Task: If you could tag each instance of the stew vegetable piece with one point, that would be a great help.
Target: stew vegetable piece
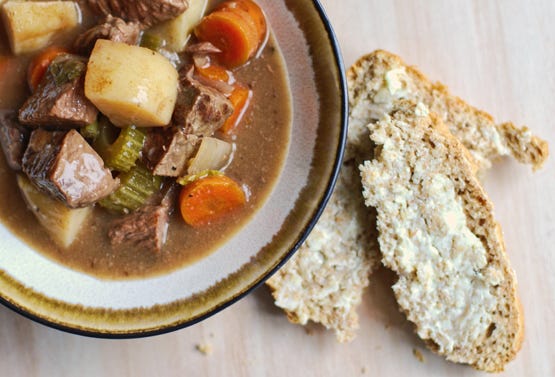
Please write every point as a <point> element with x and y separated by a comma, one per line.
<point>39,65</point>
<point>209,198</point>
<point>137,137</point>
<point>237,28</point>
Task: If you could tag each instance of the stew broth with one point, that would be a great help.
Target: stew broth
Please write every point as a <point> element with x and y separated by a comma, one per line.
<point>261,143</point>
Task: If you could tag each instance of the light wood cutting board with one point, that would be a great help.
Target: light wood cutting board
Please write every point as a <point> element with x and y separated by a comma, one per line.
<point>497,54</point>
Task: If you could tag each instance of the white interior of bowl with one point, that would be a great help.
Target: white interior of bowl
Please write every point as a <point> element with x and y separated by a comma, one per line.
<point>55,281</point>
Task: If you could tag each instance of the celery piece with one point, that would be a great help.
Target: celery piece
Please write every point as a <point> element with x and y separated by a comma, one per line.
<point>90,131</point>
<point>107,134</point>
<point>136,186</point>
<point>152,41</point>
<point>125,151</point>
<point>65,69</point>
<point>122,151</point>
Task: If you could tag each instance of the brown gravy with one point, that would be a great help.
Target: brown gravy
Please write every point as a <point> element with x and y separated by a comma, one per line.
<point>261,144</point>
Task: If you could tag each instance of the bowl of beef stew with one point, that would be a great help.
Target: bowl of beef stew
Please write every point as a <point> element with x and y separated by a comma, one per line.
<point>160,158</point>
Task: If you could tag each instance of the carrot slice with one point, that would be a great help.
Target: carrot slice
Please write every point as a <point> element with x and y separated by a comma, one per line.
<point>39,65</point>
<point>254,12</point>
<point>240,98</point>
<point>209,199</point>
<point>236,37</point>
<point>214,72</point>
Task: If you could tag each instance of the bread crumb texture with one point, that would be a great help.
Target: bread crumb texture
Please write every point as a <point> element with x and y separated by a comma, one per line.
<point>378,81</point>
<point>418,355</point>
<point>437,232</point>
<point>204,348</point>
<point>324,281</point>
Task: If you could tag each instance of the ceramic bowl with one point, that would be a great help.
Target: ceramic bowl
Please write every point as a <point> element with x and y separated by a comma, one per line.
<point>55,295</point>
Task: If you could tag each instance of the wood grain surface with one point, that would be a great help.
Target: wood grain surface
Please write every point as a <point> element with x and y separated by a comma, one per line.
<point>497,54</point>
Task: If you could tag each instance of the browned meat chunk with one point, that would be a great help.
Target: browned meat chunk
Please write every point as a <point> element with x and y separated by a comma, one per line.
<point>200,110</point>
<point>145,229</point>
<point>64,165</point>
<point>59,101</point>
<point>167,151</point>
<point>13,138</point>
<point>146,12</point>
<point>114,29</point>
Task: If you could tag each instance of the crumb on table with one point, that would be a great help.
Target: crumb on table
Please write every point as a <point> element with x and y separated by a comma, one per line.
<point>416,352</point>
<point>204,348</point>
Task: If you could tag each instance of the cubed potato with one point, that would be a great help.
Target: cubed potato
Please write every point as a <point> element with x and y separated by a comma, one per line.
<point>31,25</point>
<point>131,85</point>
<point>176,32</point>
<point>63,224</point>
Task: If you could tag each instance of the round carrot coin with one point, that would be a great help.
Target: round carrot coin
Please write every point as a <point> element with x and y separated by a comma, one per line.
<point>209,199</point>
<point>235,29</point>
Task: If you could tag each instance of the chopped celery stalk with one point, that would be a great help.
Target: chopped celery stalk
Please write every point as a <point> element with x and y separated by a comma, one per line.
<point>107,134</point>
<point>213,154</point>
<point>125,151</point>
<point>91,131</point>
<point>136,186</point>
<point>184,181</point>
<point>119,153</point>
<point>65,70</point>
<point>152,41</point>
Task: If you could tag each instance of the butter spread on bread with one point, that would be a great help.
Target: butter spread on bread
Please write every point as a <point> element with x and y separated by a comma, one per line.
<point>324,281</point>
<point>437,232</point>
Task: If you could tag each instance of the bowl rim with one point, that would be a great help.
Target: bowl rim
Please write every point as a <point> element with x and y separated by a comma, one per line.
<point>341,76</point>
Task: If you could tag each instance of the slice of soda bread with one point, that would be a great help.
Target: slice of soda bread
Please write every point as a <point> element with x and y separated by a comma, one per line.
<point>324,281</point>
<point>379,80</point>
<point>437,232</point>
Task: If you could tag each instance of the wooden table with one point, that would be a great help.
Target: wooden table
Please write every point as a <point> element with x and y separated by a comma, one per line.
<point>499,54</point>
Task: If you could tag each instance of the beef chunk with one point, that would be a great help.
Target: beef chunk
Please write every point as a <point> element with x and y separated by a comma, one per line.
<point>14,138</point>
<point>59,101</point>
<point>64,165</point>
<point>145,229</point>
<point>167,151</point>
<point>146,12</point>
<point>114,29</point>
<point>200,110</point>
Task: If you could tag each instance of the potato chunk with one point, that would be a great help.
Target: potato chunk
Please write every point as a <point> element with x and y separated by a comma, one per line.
<point>63,224</point>
<point>31,25</point>
<point>131,85</point>
<point>176,32</point>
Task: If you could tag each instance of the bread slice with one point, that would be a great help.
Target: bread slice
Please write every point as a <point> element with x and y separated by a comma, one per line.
<point>379,80</point>
<point>324,281</point>
<point>438,233</point>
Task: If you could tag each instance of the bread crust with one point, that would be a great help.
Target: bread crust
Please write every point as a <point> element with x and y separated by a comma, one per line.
<point>324,281</point>
<point>412,148</point>
<point>485,140</point>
